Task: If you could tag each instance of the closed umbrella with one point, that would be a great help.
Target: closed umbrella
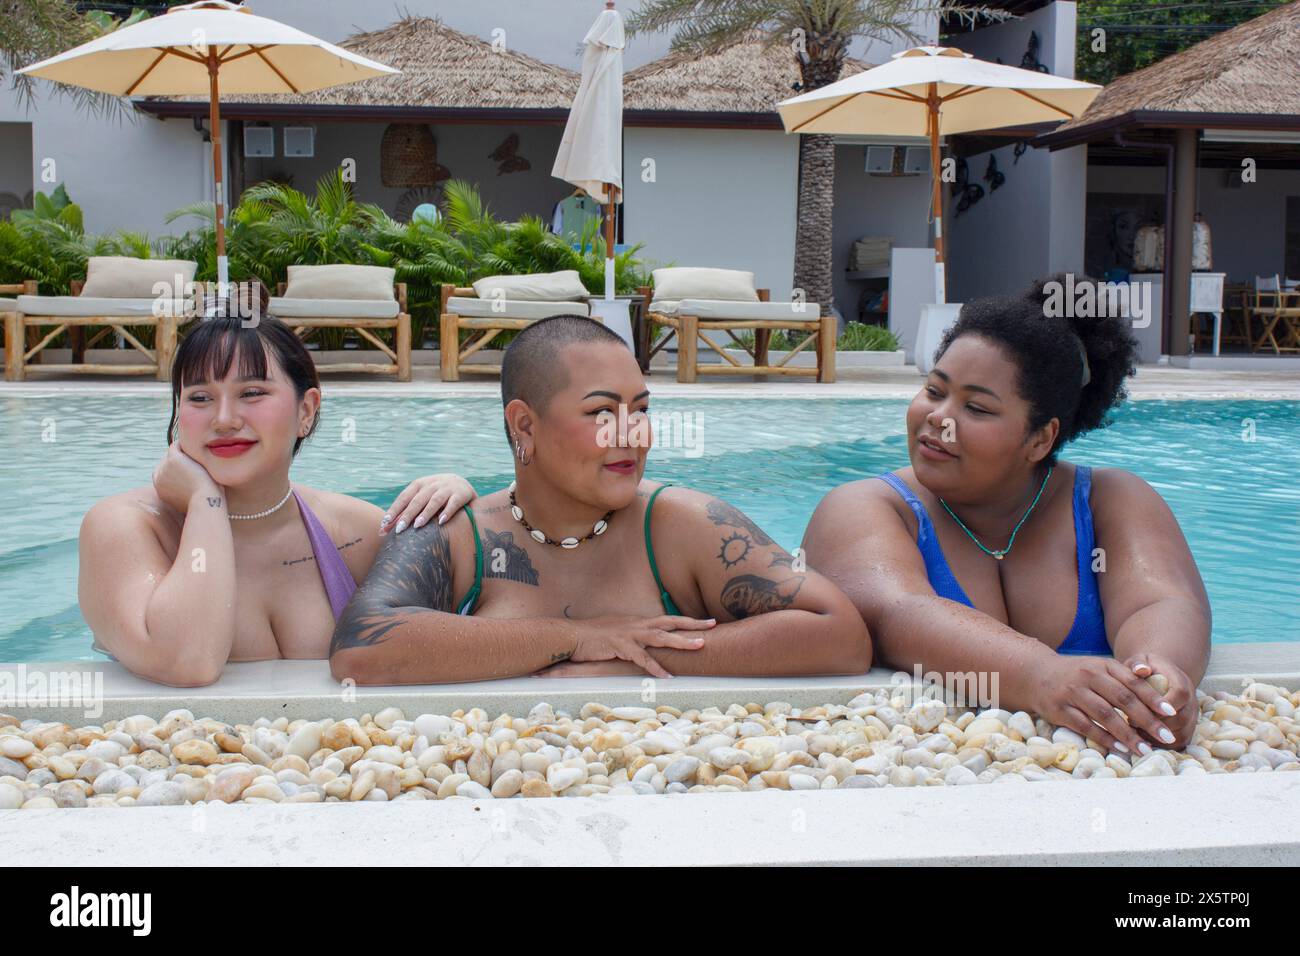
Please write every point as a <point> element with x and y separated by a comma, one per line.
<point>936,91</point>
<point>591,150</point>
<point>190,48</point>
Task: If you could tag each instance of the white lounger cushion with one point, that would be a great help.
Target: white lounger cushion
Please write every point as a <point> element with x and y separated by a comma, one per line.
<point>286,308</point>
<point>125,277</point>
<point>722,309</point>
<point>7,305</point>
<point>686,282</point>
<point>81,305</point>
<point>340,282</point>
<point>563,286</point>
<point>513,309</point>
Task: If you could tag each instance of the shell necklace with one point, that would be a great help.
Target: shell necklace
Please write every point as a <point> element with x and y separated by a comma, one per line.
<point>262,514</point>
<point>1003,552</point>
<point>541,537</point>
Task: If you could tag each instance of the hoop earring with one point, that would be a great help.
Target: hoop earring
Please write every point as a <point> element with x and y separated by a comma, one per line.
<point>519,453</point>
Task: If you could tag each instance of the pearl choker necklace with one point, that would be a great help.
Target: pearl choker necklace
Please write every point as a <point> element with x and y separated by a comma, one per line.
<point>542,538</point>
<point>262,514</point>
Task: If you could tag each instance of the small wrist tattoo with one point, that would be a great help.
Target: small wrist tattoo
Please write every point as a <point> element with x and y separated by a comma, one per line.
<point>214,502</point>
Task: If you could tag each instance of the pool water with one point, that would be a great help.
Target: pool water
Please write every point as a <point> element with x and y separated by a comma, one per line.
<point>1238,500</point>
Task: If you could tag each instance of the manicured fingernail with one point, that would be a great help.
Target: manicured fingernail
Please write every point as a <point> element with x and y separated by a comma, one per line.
<point>419,522</point>
<point>1167,708</point>
<point>442,518</point>
<point>1120,747</point>
<point>401,526</point>
<point>386,519</point>
<point>1144,748</point>
<point>1166,736</point>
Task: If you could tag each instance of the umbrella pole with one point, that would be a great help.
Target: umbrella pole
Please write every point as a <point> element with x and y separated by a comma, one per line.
<point>936,194</point>
<point>214,120</point>
<point>609,242</point>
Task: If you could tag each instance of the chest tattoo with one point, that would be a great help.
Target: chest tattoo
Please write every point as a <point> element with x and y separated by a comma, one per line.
<point>312,557</point>
<point>507,560</point>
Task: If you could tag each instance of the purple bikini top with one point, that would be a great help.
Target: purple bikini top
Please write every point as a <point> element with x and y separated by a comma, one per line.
<point>334,572</point>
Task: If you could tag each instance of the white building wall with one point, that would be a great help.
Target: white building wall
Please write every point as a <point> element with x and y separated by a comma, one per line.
<point>1033,225</point>
<point>721,198</point>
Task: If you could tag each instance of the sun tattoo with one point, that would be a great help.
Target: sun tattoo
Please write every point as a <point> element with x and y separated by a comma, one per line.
<point>735,548</point>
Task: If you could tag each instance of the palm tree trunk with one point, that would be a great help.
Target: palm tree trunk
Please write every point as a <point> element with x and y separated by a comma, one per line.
<point>812,243</point>
<point>813,249</point>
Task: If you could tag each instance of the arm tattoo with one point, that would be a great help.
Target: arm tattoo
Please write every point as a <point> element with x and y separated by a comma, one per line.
<point>735,548</point>
<point>507,560</point>
<point>721,513</point>
<point>748,594</point>
<point>412,573</point>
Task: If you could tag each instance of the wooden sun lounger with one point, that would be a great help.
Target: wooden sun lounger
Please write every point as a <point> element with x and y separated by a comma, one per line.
<point>690,330</point>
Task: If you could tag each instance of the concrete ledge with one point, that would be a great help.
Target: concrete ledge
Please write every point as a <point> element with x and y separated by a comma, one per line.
<point>1212,820</point>
<point>305,689</point>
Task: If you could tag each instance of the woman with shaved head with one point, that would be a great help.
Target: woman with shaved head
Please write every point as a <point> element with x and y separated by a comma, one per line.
<point>582,567</point>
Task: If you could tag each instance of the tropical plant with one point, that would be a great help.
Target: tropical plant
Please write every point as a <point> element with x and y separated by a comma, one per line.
<point>1117,37</point>
<point>32,30</point>
<point>856,337</point>
<point>818,34</point>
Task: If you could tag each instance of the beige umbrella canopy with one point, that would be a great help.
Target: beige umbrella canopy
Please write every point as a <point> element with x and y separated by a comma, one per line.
<point>190,48</point>
<point>591,149</point>
<point>935,91</point>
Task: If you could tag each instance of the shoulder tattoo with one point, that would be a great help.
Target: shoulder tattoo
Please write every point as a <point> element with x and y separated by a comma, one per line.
<point>413,572</point>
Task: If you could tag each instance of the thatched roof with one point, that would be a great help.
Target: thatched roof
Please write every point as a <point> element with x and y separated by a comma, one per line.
<point>444,68</point>
<point>1254,68</point>
<point>749,77</point>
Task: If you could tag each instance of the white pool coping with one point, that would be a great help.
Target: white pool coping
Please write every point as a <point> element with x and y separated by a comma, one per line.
<point>1152,382</point>
<point>305,689</point>
<point>1211,820</point>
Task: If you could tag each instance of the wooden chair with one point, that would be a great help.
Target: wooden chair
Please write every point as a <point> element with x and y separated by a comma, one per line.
<point>461,310</point>
<point>33,312</point>
<point>296,313</point>
<point>690,330</point>
<point>1279,312</point>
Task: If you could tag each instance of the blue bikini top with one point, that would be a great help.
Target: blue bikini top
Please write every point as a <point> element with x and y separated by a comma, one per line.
<point>1088,633</point>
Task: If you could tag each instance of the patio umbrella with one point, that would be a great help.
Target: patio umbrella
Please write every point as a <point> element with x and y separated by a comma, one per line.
<point>591,150</point>
<point>187,49</point>
<point>936,91</point>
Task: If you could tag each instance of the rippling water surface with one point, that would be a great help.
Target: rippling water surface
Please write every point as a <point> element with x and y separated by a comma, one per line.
<point>1238,501</point>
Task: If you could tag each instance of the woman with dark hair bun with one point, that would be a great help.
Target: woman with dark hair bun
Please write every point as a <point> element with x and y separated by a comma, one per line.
<point>223,558</point>
<point>989,554</point>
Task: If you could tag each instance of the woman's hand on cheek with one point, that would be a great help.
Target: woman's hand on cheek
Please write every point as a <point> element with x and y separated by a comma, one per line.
<point>178,477</point>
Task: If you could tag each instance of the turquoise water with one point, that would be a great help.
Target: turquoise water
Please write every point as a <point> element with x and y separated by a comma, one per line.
<point>1238,501</point>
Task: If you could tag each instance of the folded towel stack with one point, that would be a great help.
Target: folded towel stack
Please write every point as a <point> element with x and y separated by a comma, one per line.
<point>870,253</point>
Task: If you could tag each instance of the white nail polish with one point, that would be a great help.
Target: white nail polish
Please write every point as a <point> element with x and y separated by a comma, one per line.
<point>1119,745</point>
<point>1166,736</point>
<point>1144,748</point>
<point>401,526</point>
<point>419,522</point>
<point>1167,708</point>
<point>442,518</point>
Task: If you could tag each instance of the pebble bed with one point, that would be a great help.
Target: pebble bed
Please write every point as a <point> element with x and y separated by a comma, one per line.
<point>876,740</point>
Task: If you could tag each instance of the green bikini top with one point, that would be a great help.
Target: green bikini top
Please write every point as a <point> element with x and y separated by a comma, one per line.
<point>470,601</point>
